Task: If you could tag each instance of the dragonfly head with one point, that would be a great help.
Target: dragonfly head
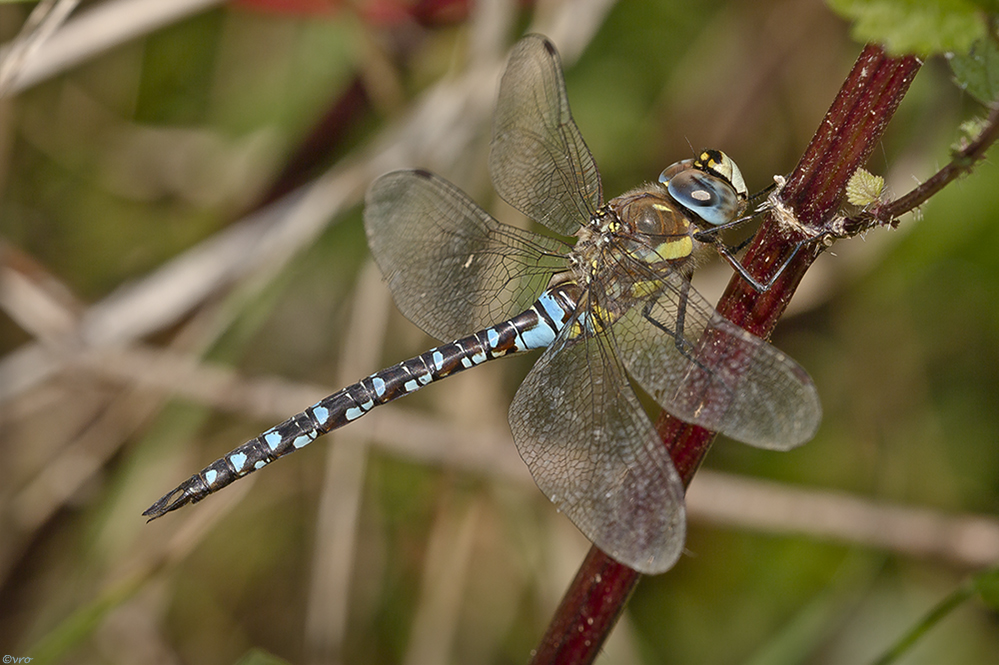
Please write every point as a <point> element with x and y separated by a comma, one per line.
<point>710,186</point>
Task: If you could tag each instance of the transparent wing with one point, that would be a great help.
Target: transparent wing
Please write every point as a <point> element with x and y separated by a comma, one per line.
<point>539,162</point>
<point>452,268</point>
<point>592,450</point>
<point>719,376</point>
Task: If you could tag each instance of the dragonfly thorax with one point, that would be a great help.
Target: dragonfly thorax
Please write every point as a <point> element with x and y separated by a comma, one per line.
<point>642,227</point>
<point>656,225</point>
<point>654,229</point>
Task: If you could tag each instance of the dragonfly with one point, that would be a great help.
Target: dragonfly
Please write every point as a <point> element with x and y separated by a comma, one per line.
<point>605,293</point>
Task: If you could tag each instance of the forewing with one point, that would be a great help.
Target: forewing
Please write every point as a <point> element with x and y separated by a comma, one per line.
<point>719,376</point>
<point>594,453</point>
<point>452,268</point>
<point>539,162</point>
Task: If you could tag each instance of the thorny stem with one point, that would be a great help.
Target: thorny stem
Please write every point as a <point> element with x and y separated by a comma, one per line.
<point>806,206</point>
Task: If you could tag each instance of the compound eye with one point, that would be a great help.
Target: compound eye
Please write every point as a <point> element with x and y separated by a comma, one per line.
<point>673,169</point>
<point>709,197</point>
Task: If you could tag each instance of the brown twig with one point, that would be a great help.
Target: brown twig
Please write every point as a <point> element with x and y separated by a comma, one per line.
<point>887,214</point>
<point>805,210</point>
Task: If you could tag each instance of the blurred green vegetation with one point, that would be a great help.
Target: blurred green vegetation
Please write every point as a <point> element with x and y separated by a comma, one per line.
<point>137,155</point>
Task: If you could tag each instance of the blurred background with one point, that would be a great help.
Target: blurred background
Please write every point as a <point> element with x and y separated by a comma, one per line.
<point>184,264</point>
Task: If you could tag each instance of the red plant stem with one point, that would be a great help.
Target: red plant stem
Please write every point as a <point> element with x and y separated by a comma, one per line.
<point>848,134</point>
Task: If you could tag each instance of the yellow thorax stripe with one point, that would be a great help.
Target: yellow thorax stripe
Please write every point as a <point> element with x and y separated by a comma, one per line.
<point>674,248</point>
<point>597,321</point>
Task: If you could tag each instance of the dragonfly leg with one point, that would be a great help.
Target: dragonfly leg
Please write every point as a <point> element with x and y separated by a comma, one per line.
<point>705,377</point>
<point>683,345</point>
<point>728,253</point>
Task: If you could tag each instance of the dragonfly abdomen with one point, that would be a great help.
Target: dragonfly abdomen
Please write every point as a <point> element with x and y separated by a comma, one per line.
<point>532,329</point>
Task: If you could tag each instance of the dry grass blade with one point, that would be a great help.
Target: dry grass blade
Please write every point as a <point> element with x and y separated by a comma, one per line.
<point>90,33</point>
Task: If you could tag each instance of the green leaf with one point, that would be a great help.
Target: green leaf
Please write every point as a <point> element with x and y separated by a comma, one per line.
<point>987,586</point>
<point>864,188</point>
<point>978,72</point>
<point>922,27</point>
<point>969,130</point>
